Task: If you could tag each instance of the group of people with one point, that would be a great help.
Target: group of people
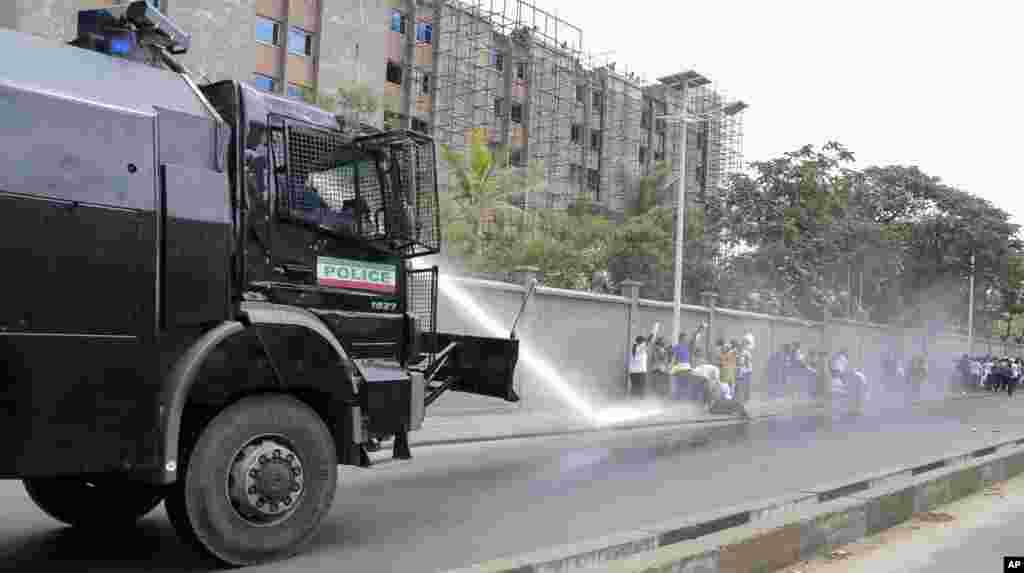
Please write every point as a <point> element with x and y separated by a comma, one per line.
<point>991,373</point>
<point>683,371</point>
<point>791,369</point>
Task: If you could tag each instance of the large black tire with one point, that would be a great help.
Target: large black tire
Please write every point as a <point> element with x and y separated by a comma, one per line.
<point>225,520</point>
<point>85,502</point>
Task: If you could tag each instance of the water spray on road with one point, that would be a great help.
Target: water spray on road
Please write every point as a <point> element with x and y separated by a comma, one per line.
<point>544,371</point>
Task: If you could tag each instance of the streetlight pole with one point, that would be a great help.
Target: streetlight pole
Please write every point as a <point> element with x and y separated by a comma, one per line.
<point>970,312</point>
<point>677,290</point>
<point>683,81</point>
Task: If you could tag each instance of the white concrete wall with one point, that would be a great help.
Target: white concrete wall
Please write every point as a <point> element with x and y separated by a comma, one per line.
<point>584,336</point>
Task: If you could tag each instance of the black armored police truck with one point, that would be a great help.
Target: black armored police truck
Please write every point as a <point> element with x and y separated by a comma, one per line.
<point>209,295</point>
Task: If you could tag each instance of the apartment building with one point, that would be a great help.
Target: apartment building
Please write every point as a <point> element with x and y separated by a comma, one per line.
<point>504,71</point>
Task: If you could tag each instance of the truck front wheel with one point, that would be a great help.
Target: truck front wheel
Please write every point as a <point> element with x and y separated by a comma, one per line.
<point>257,483</point>
<point>83,502</point>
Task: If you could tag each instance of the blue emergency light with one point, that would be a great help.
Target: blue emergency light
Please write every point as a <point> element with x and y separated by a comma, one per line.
<point>117,30</point>
<point>120,43</point>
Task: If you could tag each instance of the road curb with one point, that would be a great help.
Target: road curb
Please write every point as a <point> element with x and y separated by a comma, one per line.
<point>771,534</point>
<point>721,420</point>
<point>716,420</point>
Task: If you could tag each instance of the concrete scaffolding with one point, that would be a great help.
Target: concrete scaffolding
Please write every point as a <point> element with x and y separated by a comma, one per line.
<point>514,76</point>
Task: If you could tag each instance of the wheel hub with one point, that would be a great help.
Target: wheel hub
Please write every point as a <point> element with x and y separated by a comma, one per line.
<point>265,481</point>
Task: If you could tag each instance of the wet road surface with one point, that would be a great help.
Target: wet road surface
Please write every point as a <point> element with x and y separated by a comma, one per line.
<point>452,506</point>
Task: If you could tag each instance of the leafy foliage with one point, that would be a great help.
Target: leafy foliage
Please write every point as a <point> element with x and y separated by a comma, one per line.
<point>807,231</point>
<point>816,222</point>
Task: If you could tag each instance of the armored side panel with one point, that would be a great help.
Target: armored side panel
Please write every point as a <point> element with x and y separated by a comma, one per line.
<point>480,365</point>
<point>83,239</point>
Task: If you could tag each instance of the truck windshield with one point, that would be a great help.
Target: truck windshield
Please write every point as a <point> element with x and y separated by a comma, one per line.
<point>329,197</point>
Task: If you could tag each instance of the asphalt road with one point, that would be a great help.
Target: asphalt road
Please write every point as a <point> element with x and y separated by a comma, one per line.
<point>455,505</point>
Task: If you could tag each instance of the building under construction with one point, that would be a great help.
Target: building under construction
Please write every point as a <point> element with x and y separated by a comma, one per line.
<point>517,77</point>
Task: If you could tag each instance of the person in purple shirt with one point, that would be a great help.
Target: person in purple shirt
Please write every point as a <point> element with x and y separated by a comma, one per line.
<point>680,367</point>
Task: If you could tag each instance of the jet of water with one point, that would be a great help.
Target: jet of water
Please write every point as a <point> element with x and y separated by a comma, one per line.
<point>544,371</point>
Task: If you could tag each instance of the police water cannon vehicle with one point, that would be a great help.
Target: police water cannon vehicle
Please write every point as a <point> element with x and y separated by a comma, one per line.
<point>209,297</point>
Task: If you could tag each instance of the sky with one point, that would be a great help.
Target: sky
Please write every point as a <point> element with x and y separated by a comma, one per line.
<point>935,84</point>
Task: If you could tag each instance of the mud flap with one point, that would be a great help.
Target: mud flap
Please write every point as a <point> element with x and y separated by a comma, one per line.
<point>475,365</point>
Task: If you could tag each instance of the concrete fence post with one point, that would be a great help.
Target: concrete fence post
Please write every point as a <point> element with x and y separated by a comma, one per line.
<point>630,290</point>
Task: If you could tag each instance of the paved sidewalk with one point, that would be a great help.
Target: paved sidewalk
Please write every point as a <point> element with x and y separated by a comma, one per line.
<point>520,423</point>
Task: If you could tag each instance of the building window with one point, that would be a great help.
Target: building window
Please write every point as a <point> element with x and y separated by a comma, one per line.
<point>595,140</point>
<point>268,31</point>
<point>642,156</point>
<point>581,92</point>
<point>517,112</point>
<point>498,59</point>
<point>264,83</point>
<point>659,126</point>
<point>298,92</point>
<point>516,157</point>
<point>594,182</point>
<point>575,173</point>
<point>424,32</point>
<point>300,42</point>
<point>497,106</point>
<point>645,119</point>
<point>521,71</point>
<point>397,22</point>
<point>425,84</point>
<point>420,126</point>
<point>597,101</point>
<point>576,133</point>
<point>394,73</point>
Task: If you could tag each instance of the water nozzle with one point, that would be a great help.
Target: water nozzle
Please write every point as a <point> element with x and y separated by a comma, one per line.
<point>531,286</point>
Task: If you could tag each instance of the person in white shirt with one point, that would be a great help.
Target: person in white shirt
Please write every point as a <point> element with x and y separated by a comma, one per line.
<point>638,363</point>
<point>839,364</point>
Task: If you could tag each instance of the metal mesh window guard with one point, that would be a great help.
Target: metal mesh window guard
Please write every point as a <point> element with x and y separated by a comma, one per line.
<point>380,188</point>
<point>321,180</point>
<point>408,167</point>
<point>421,291</point>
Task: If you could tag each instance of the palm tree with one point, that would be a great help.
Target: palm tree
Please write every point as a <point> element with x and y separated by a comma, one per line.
<point>476,204</point>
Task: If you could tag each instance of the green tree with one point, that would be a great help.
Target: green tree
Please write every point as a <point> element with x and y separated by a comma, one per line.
<point>567,246</point>
<point>354,102</point>
<point>478,216</point>
<point>793,212</point>
<point>815,223</point>
<point>488,233</point>
<point>641,247</point>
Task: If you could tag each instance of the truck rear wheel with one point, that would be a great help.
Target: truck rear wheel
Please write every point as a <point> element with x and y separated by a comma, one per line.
<point>84,502</point>
<point>257,483</point>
